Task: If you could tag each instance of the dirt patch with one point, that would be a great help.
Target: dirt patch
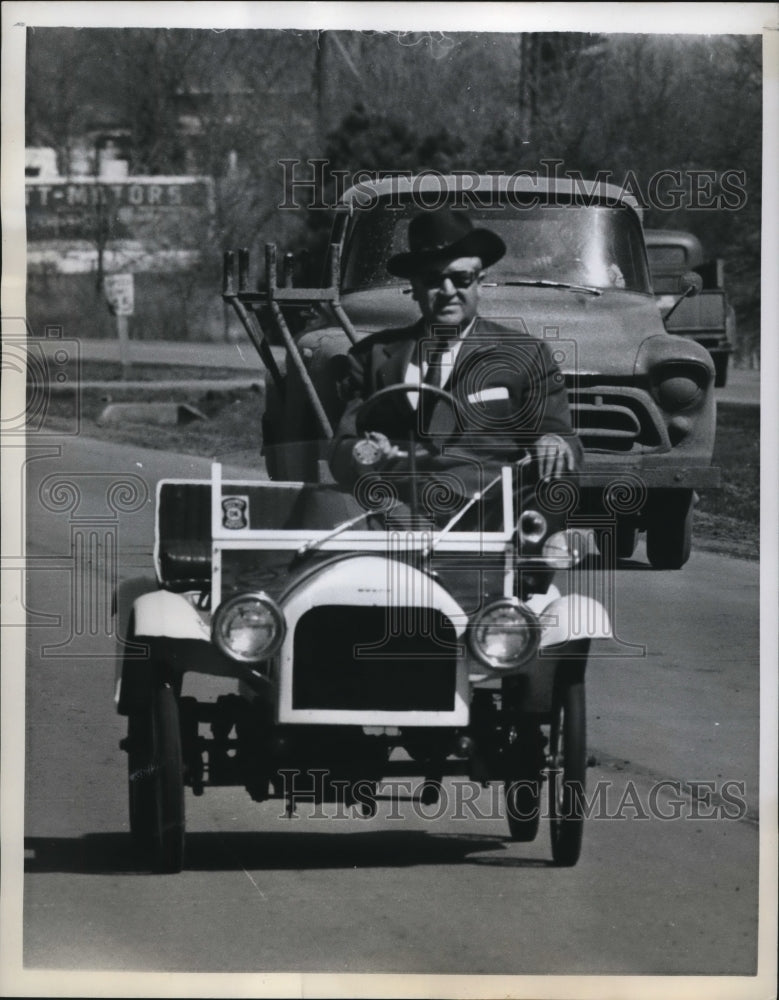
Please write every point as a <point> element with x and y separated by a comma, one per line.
<point>232,424</point>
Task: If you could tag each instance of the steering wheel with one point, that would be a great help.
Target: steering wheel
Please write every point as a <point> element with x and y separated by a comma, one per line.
<point>362,417</point>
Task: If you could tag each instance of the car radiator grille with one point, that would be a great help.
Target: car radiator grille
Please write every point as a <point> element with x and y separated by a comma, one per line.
<point>374,658</point>
<point>617,419</point>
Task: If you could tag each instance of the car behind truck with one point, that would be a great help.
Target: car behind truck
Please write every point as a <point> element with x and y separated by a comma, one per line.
<point>708,317</point>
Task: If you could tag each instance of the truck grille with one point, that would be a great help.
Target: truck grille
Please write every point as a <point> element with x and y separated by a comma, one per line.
<point>617,419</point>
<point>374,658</point>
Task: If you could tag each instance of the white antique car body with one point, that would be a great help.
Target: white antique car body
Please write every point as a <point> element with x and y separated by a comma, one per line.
<point>351,655</point>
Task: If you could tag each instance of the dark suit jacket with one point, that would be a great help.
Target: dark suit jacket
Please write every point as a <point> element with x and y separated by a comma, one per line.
<point>507,388</point>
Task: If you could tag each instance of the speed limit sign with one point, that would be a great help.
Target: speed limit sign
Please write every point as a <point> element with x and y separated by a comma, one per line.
<point>120,293</point>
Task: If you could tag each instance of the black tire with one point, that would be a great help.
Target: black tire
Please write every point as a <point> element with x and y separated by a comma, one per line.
<point>140,779</point>
<point>567,773</point>
<point>669,531</point>
<point>523,808</point>
<point>720,369</point>
<point>624,538</point>
<point>156,780</point>
<point>627,539</point>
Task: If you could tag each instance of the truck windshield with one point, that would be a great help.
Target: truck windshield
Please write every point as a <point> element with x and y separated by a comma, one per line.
<point>581,245</point>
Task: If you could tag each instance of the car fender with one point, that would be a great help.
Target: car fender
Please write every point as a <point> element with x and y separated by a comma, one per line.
<point>164,633</point>
<point>163,613</point>
<point>669,347</point>
<point>574,617</point>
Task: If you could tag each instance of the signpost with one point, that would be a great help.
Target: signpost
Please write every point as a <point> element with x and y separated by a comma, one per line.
<point>120,294</point>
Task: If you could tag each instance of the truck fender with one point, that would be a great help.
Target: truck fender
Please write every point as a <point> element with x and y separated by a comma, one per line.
<point>572,618</point>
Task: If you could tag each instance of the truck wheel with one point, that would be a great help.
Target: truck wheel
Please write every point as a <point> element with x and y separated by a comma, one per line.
<point>624,537</point>
<point>156,781</point>
<point>669,531</point>
<point>720,369</point>
<point>567,772</point>
<point>627,539</point>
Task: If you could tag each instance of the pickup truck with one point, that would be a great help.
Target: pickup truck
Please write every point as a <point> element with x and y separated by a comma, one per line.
<point>576,274</point>
<point>708,318</point>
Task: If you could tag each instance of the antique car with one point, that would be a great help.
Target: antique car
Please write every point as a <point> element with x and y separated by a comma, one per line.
<point>352,656</point>
<point>575,274</point>
<point>358,641</point>
<point>707,318</point>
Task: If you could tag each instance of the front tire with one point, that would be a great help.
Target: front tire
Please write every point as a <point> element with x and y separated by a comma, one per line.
<point>156,781</point>
<point>567,773</point>
<point>140,783</point>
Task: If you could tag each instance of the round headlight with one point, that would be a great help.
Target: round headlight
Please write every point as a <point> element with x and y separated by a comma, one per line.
<point>531,527</point>
<point>680,386</point>
<point>249,627</point>
<point>564,549</point>
<point>505,635</point>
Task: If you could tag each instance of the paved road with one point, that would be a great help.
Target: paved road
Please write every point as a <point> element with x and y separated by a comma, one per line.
<point>262,893</point>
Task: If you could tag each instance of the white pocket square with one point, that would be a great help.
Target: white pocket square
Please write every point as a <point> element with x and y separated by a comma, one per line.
<point>487,395</point>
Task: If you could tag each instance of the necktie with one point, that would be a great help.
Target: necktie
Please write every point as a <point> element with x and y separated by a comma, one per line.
<point>435,359</point>
<point>436,356</point>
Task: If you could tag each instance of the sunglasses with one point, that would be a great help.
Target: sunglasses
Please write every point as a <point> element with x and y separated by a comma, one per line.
<point>460,279</point>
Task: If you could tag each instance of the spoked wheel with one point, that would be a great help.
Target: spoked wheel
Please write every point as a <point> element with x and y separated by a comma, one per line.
<point>567,771</point>
<point>156,781</point>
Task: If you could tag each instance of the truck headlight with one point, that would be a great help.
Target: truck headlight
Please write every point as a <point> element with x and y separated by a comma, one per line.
<point>505,635</point>
<point>679,385</point>
<point>248,627</point>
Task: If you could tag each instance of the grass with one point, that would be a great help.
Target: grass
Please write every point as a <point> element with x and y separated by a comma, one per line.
<point>728,519</point>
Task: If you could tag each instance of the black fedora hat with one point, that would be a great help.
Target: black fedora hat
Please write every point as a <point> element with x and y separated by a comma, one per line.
<point>441,234</point>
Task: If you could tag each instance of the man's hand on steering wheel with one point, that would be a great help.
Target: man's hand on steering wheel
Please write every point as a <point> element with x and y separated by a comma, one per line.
<point>554,456</point>
<point>372,451</point>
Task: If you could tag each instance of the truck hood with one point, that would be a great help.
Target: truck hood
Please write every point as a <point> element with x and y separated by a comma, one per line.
<point>597,334</point>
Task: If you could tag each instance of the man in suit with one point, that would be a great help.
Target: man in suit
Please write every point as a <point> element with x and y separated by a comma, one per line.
<point>507,398</point>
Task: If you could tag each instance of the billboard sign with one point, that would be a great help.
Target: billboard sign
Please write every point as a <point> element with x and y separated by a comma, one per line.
<point>141,223</point>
